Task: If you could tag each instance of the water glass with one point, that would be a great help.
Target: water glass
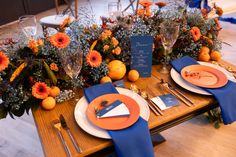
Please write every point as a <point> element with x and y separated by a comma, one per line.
<point>28,25</point>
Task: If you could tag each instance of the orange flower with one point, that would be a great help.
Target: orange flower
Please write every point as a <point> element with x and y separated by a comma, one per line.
<point>160,4</point>
<point>4,61</point>
<point>33,45</point>
<point>106,34</point>
<point>40,90</point>
<point>196,33</point>
<point>65,23</point>
<point>40,42</point>
<point>219,11</point>
<point>148,13</point>
<point>54,67</point>
<point>204,13</point>
<point>145,3</point>
<point>114,41</point>
<point>94,59</point>
<point>117,50</point>
<point>60,40</point>
<point>218,27</point>
<point>106,47</point>
<point>140,12</point>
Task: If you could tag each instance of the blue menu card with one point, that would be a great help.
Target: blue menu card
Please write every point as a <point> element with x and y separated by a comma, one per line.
<point>141,54</point>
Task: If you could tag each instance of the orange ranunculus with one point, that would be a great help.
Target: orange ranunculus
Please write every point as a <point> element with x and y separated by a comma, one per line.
<point>65,23</point>
<point>60,40</point>
<point>145,3</point>
<point>108,32</point>
<point>140,12</point>
<point>106,47</point>
<point>40,42</point>
<point>196,33</point>
<point>53,67</point>
<point>40,90</point>
<point>219,10</point>
<point>114,41</point>
<point>4,61</point>
<point>160,4</point>
<point>117,50</point>
<point>94,59</point>
<point>33,45</point>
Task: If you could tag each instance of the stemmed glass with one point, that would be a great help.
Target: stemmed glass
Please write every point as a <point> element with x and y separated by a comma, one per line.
<point>72,62</point>
<point>114,10</point>
<point>28,25</point>
<point>169,32</point>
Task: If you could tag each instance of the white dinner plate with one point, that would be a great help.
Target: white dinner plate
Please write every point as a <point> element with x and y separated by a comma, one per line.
<point>86,125</point>
<point>186,85</point>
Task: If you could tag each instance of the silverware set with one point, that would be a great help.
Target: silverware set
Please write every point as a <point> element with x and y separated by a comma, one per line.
<point>187,101</point>
<point>144,94</point>
<point>58,125</point>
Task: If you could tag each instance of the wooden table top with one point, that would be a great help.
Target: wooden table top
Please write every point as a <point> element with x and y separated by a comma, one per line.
<point>89,144</point>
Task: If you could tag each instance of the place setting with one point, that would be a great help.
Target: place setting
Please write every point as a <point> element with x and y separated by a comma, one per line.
<point>119,82</point>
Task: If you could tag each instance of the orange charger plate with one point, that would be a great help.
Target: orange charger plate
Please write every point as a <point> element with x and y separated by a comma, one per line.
<point>113,123</point>
<point>206,76</point>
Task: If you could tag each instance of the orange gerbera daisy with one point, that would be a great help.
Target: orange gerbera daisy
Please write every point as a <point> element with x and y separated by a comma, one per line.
<point>60,40</point>
<point>196,33</point>
<point>145,3</point>
<point>94,59</point>
<point>40,90</point>
<point>160,4</point>
<point>4,61</point>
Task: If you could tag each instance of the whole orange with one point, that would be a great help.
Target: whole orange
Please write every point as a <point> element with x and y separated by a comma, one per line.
<point>204,49</point>
<point>133,75</point>
<point>105,79</point>
<point>215,55</point>
<point>117,70</point>
<point>54,91</point>
<point>48,103</point>
<point>205,57</point>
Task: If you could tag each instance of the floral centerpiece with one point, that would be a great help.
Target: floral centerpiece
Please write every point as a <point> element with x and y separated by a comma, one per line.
<point>33,73</point>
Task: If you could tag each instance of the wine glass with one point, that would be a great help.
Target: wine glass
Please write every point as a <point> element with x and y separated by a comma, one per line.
<point>169,32</point>
<point>114,10</point>
<point>72,62</point>
<point>28,25</point>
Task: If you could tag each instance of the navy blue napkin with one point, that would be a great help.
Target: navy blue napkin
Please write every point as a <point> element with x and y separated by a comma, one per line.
<point>226,95</point>
<point>134,141</point>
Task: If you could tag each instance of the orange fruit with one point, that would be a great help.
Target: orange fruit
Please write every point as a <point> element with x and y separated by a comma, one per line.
<point>105,79</point>
<point>117,70</point>
<point>215,55</point>
<point>204,49</point>
<point>48,103</point>
<point>133,75</point>
<point>205,57</point>
<point>54,91</point>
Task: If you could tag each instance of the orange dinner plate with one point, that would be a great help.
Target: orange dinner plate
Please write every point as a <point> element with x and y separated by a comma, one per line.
<point>204,76</point>
<point>113,123</point>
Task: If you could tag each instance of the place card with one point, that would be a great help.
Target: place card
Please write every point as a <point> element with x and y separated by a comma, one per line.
<point>141,54</point>
<point>115,109</point>
<point>165,101</point>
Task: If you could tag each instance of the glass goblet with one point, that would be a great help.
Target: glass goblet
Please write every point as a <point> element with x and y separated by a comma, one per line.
<point>169,32</point>
<point>114,10</point>
<point>72,62</point>
<point>28,25</point>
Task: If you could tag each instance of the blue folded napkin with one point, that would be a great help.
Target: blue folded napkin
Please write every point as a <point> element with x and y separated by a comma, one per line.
<point>134,141</point>
<point>226,95</point>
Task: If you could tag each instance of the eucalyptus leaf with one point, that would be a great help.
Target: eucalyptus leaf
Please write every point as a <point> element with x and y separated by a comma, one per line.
<point>50,73</point>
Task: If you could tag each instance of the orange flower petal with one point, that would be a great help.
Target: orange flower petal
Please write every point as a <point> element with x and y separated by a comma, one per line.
<point>196,33</point>
<point>4,61</point>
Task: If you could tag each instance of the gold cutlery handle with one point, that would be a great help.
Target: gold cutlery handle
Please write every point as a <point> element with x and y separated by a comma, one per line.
<point>152,108</point>
<point>181,94</point>
<point>154,105</point>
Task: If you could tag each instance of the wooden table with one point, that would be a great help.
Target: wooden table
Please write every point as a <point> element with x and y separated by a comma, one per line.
<point>52,145</point>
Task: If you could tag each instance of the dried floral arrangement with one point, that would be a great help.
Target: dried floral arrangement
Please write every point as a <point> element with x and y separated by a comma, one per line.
<point>32,72</point>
